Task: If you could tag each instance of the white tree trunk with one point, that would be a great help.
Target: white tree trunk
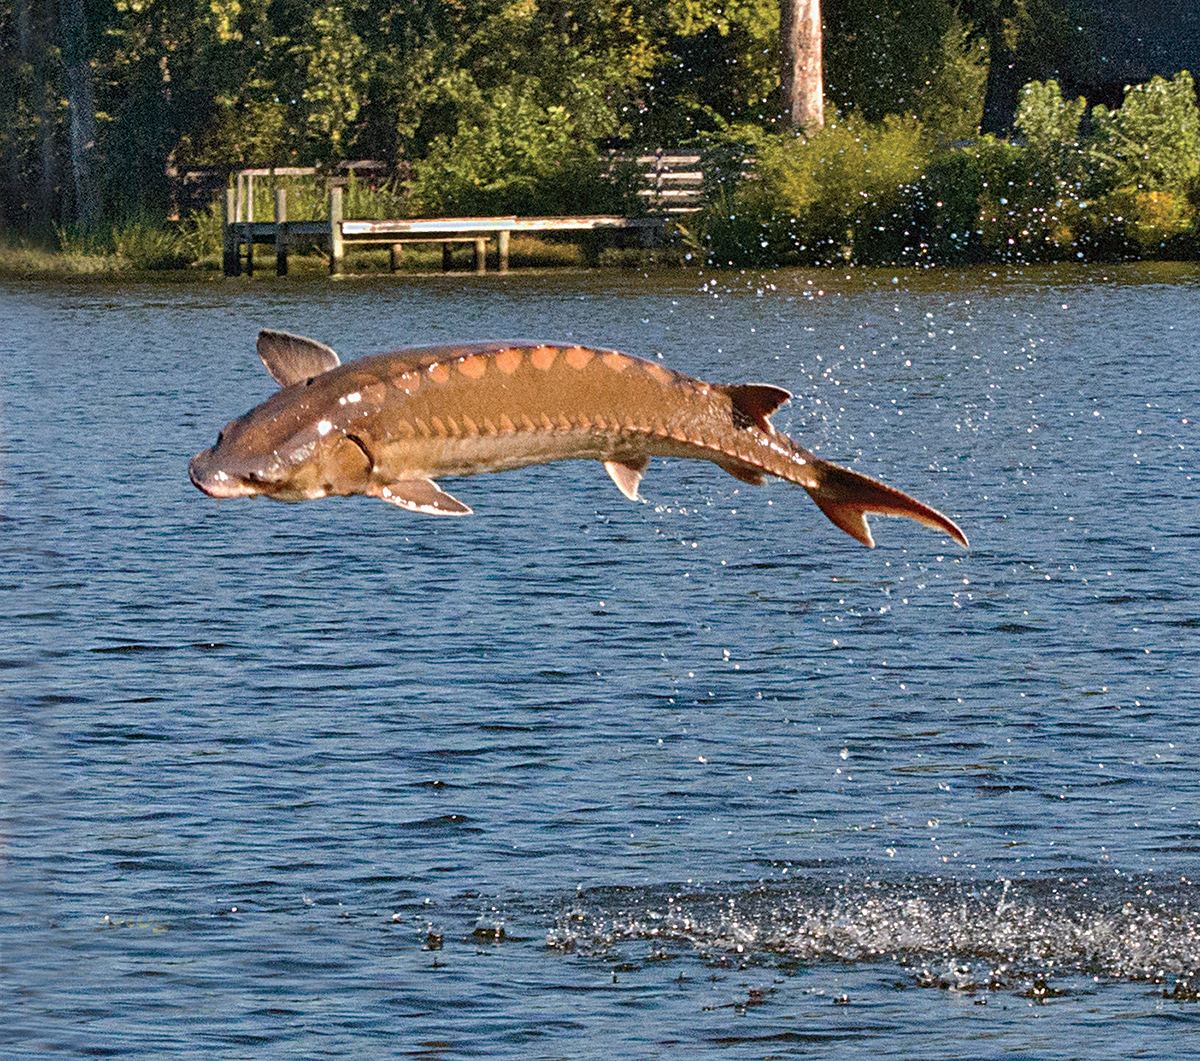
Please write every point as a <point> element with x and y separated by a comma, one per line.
<point>801,83</point>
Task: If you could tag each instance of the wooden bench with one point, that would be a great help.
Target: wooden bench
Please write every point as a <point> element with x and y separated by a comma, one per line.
<point>672,181</point>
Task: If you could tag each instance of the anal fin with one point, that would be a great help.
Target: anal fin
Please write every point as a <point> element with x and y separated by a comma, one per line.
<point>627,474</point>
<point>421,495</point>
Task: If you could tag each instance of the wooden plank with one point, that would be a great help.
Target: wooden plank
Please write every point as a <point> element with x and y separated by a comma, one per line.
<point>472,227</point>
<point>278,171</point>
<point>264,231</point>
<point>240,230</point>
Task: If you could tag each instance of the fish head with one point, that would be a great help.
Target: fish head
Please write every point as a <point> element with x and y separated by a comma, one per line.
<point>289,448</point>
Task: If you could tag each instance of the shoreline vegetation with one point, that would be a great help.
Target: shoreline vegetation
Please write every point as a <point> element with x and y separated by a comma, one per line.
<point>940,140</point>
<point>1071,185</point>
<point>538,257</point>
<point>20,262</point>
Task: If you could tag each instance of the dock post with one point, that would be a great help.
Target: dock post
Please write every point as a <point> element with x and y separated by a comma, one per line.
<point>246,216</point>
<point>502,249</point>
<point>337,249</point>
<point>481,254</point>
<point>281,232</point>
<point>231,256</point>
<point>396,257</point>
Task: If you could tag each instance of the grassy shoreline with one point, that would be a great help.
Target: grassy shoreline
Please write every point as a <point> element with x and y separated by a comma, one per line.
<point>25,260</point>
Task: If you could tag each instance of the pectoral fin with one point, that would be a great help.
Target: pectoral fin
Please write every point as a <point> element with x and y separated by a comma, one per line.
<point>292,358</point>
<point>627,474</point>
<point>421,495</point>
<point>846,497</point>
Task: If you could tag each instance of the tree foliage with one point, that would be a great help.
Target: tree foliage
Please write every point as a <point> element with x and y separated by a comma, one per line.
<point>1152,142</point>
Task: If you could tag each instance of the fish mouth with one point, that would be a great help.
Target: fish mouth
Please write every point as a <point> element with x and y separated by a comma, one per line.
<point>214,481</point>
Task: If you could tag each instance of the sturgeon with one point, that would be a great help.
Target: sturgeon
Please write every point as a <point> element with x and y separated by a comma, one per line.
<point>388,425</point>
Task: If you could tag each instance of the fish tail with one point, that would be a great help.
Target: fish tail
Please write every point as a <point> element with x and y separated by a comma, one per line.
<point>846,497</point>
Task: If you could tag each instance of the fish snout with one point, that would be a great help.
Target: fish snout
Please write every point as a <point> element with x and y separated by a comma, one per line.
<point>208,476</point>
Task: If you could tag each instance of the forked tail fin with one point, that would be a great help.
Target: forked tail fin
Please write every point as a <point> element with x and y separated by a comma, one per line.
<point>846,497</point>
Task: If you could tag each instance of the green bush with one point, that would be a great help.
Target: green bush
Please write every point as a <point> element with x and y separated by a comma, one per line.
<point>838,195</point>
<point>945,203</point>
<point>200,236</point>
<point>1152,142</point>
<point>1145,161</point>
<point>133,244</point>
<point>883,192</point>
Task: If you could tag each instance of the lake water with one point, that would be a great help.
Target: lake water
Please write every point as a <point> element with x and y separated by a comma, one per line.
<point>577,777</point>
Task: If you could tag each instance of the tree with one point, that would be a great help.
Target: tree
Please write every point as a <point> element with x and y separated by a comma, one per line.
<point>801,84</point>
<point>884,59</point>
<point>81,104</point>
<point>1029,40</point>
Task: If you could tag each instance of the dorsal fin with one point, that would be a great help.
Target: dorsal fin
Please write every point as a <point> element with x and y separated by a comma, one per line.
<point>754,402</point>
<point>292,358</point>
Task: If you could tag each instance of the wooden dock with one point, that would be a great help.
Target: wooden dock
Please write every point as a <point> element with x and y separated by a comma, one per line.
<point>241,232</point>
<point>672,185</point>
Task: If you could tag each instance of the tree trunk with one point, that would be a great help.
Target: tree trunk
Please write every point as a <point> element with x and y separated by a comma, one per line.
<point>1003,88</point>
<point>81,104</point>
<point>801,84</point>
<point>30,148</point>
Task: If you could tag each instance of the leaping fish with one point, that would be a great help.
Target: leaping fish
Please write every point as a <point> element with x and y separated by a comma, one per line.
<point>388,425</point>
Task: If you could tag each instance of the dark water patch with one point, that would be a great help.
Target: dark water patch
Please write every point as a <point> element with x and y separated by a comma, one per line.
<point>120,735</point>
<point>149,865</point>
<point>132,649</point>
<point>457,823</point>
<point>855,1033</point>
<point>61,699</point>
